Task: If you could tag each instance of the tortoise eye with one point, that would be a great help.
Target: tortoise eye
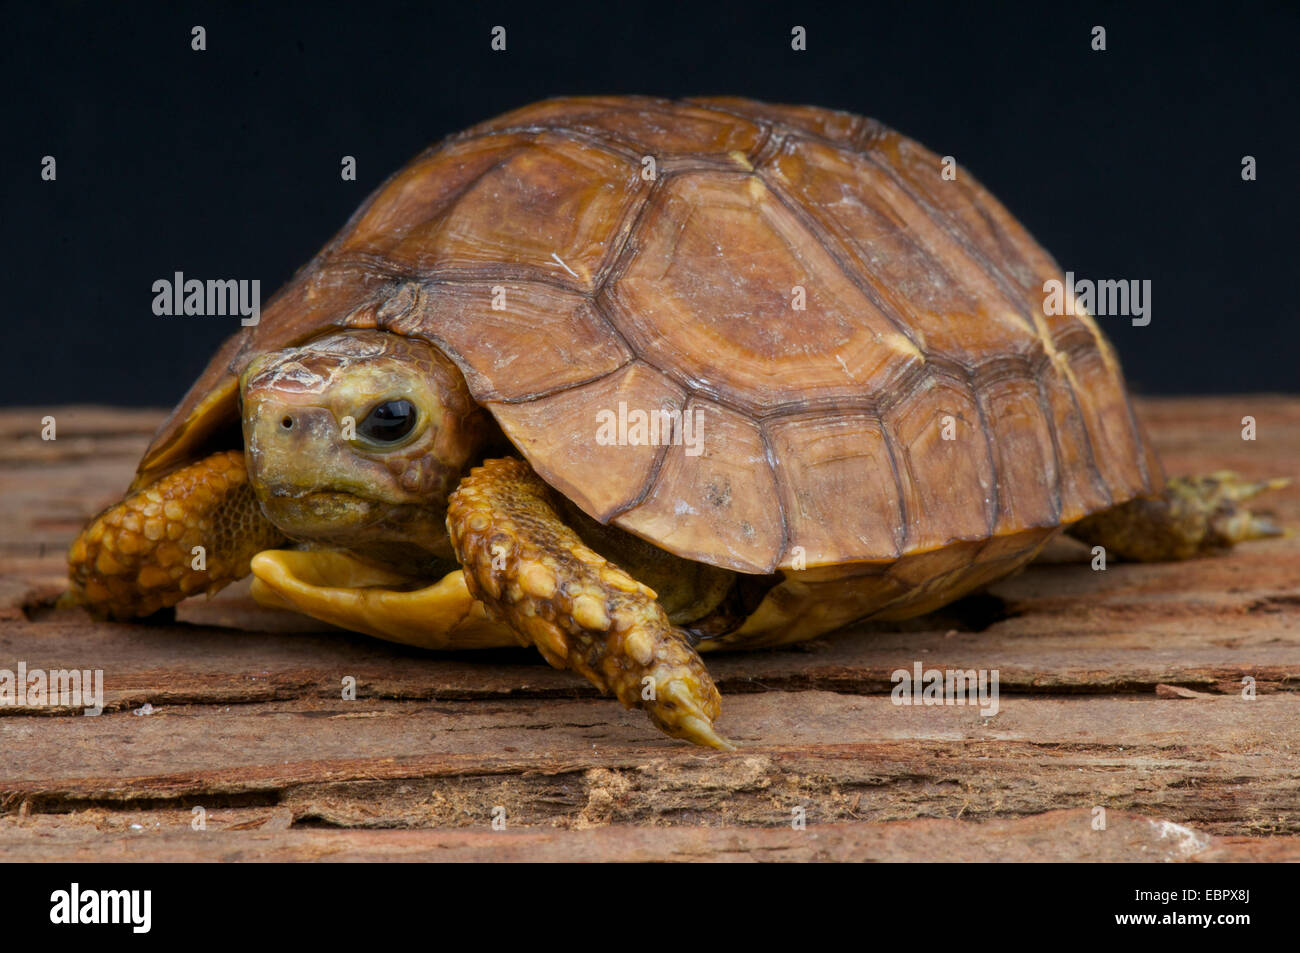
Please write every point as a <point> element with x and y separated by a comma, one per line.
<point>389,422</point>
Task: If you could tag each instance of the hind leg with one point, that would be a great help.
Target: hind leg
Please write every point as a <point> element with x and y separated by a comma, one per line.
<point>1194,516</point>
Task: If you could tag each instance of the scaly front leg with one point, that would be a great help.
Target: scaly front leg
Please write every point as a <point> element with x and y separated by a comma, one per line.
<point>581,611</point>
<point>194,530</point>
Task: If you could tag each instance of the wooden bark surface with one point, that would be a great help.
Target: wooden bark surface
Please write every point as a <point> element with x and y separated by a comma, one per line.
<point>1120,690</point>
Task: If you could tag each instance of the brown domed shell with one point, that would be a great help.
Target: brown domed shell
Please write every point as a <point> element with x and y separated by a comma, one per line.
<point>861,340</point>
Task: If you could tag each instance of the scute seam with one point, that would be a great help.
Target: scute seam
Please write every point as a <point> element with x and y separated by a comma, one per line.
<point>778,484</point>
<point>831,246</point>
<point>994,502</point>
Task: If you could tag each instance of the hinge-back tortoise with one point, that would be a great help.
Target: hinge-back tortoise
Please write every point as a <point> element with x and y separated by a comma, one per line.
<point>660,377</point>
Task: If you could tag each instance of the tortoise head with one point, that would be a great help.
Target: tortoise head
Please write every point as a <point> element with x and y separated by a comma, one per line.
<point>356,439</point>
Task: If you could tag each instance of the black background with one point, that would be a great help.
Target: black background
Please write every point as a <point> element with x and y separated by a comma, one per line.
<point>225,163</point>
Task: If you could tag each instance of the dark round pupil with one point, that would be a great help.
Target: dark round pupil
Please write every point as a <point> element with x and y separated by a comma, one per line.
<point>391,420</point>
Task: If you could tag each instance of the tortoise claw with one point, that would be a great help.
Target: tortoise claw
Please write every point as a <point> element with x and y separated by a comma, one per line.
<point>688,715</point>
<point>1240,525</point>
<point>1220,492</point>
<point>1228,484</point>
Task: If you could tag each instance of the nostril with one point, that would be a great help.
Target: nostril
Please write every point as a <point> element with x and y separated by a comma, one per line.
<point>287,423</point>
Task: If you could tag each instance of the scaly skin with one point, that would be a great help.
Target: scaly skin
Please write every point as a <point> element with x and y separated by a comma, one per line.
<point>137,557</point>
<point>1194,516</point>
<point>581,612</point>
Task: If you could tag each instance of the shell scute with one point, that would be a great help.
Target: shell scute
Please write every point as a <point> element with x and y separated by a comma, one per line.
<point>719,505</point>
<point>826,459</point>
<point>729,291</point>
<point>938,430</point>
<point>551,211</point>
<point>558,339</point>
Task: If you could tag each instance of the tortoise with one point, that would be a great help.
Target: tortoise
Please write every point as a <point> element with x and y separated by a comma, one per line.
<point>631,379</point>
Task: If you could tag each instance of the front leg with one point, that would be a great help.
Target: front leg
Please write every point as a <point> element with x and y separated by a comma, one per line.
<point>580,611</point>
<point>194,530</point>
